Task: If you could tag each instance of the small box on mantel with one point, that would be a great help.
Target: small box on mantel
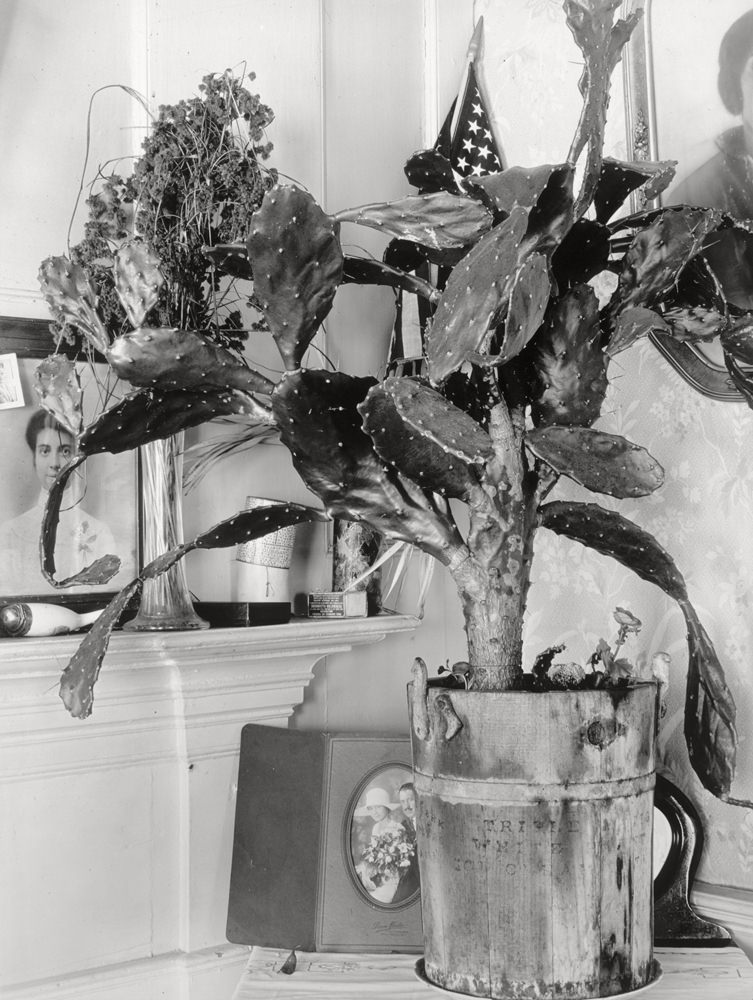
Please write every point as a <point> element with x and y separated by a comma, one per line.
<point>338,604</point>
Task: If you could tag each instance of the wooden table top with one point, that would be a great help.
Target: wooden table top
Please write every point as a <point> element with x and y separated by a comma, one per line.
<point>688,974</point>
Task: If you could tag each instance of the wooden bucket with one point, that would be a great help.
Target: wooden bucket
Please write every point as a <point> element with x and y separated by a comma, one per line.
<point>535,832</point>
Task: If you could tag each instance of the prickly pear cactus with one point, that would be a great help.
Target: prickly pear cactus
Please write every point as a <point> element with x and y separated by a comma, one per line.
<point>180,359</point>
<point>422,434</point>
<point>516,363</point>
<point>442,221</point>
<point>58,388</point>
<point>138,280</point>
<point>298,264</point>
<point>72,299</point>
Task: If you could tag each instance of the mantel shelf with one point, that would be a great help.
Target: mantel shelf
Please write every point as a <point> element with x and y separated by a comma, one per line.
<point>203,684</point>
<point>136,650</point>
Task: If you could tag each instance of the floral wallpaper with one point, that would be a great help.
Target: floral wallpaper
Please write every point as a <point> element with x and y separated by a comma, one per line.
<point>702,516</point>
<point>703,513</point>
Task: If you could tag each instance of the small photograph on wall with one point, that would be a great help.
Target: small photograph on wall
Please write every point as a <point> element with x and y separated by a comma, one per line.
<point>11,393</point>
<point>383,837</point>
<point>98,514</point>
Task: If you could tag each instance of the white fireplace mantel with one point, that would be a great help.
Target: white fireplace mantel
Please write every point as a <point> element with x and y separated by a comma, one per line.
<point>116,831</point>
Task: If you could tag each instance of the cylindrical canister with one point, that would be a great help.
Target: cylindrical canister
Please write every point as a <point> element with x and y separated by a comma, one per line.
<point>535,826</point>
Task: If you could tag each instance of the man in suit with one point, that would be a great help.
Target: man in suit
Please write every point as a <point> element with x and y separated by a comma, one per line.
<point>409,879</point>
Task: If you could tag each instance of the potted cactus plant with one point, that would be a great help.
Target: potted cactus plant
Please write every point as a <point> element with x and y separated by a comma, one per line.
<point>532,800</point>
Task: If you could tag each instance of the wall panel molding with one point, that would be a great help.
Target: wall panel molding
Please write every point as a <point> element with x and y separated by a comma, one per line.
<point>116,831</point>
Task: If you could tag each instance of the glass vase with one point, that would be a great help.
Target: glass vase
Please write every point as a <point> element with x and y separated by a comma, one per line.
<point>166,603</point>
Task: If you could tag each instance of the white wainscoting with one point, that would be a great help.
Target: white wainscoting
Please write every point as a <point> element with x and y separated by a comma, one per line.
<point>116,831</point>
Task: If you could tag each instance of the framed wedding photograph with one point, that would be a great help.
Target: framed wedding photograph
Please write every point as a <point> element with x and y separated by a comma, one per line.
<point>100,510</point>
<point>324,850</point>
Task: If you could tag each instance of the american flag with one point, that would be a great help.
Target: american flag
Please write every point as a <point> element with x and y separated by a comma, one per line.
<point>466,138</point>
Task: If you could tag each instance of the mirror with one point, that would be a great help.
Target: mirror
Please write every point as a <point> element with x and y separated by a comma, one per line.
<point>683,92</point>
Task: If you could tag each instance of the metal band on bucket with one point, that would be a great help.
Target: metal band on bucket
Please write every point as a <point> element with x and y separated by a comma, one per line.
<point>512,792</point>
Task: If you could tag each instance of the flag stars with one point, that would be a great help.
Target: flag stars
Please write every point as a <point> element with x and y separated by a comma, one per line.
<point>473,149</point>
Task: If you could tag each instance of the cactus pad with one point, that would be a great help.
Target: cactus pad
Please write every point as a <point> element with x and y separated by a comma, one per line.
<point>425,437</point>
<point>738,340</point>
<point>337,461</point>
<point>366,271</point>
<point>440,220</point>
<point>613,535</point>
<point>101,571</point>
<point>72,299</point>
<point>151,415</point>
<point>659,252</point>
<point>521,186</point>
<point>582,254</point>
<point>180,359</point>
<point>604,463</point>
<point>710,710</point>
<point>529,296</point>
<point>551,218</point>
<point>138,280</point>
<point>619,178</point>
<point>429,170</point>
<point>693,323</point>
<point>295,255</point>
<point>633,323</point>
<point>230,258</point>
<point>568,363</point>
<point>476,294</point>
<point>79,677</point>
<point>601,43</point>
<point>58,387</point>
<point>251,524</point>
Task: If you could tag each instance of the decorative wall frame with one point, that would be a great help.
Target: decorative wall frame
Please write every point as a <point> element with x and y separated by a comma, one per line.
<point>674,112</point>
<point>103,513</point>
<point>298,877</point>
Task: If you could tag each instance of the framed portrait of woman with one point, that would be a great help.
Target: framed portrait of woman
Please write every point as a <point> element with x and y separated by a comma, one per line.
<point>689,94</point>
<point>99,514</point>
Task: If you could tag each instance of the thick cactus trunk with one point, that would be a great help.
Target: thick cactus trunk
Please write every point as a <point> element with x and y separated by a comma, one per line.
<point>493,598</point>
<point>493,581</point>
<point>494,628</point>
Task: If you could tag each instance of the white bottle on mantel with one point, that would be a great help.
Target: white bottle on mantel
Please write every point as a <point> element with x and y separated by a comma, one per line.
<point>33,620</point>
